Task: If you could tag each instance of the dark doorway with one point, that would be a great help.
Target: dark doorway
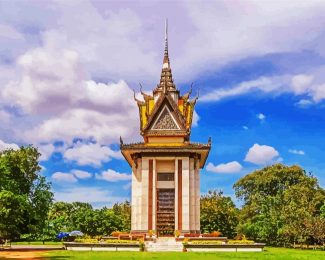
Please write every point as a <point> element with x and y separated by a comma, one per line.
<point>165,212</point>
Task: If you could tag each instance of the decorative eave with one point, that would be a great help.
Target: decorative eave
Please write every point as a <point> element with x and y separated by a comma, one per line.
<point>165,97</point>
<point>132,152</point>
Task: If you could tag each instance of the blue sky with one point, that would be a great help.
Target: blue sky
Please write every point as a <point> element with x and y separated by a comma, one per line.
<point>67,70</point>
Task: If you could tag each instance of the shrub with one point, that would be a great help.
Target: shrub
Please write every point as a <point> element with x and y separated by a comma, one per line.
<point>86,240</point>
<point>241,242</point>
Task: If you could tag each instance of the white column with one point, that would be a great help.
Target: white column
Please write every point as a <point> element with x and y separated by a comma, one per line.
<point>154,193</point>
<point>136,197</point>
<point>198,195</point>
<point>186,194</point>
<point>176,193</point>
<point>144,193</point>
<point>192,195</point>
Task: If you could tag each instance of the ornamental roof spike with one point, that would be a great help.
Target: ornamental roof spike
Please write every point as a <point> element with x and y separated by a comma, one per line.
<point>166,78</point>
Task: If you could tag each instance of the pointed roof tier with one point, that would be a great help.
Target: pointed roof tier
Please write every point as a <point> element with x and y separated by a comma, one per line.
<point>166,78</point>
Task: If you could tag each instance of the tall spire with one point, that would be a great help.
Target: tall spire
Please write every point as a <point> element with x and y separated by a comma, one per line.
<point>166,83</point>
<point>166,58</point>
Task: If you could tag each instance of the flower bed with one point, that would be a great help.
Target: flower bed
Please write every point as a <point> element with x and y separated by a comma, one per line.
<point>216,247</point>
<point>241,242</point>
<point>110,245</point>
<point>192,235</point>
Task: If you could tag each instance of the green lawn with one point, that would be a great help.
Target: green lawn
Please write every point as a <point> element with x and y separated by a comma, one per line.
<point>269,253</point>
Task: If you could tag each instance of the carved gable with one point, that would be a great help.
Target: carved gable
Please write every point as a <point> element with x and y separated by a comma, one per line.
<point>165,121</point>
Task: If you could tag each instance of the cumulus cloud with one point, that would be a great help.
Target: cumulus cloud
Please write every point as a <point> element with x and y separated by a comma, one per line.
<point>294,151</point>
<point>63,177</point>
<point>245,127</point>
<point>81,174</point>
<point>231,167</point>
<point>90,154</point>
<point>54,88</point>
<point>95,195</point>
<point>261,154</point>
<point>113,176</point>
<point>46,151</point>
<point>5,146</point>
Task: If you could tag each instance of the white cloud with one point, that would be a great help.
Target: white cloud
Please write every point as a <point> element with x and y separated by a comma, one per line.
<point>260,116</point>
<point>261,84</point>
<point>81,174</point>
<point>245,127</point>
<point>300,83</point>
<point>5,146</point>
<point>113,176</point>
<point>93,154</point>
<point>262,27</point>
<point>261,154</point>
<point>299,152</point>
<point>54,89</point>
<point>94,195</point>
<point>63,177</point>
<point>304,103</point>
<point>196,119</point>
<point>231,167</point>
<point>46,151</point>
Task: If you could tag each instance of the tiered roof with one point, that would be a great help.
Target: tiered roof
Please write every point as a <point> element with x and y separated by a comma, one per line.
<point>166,116</point>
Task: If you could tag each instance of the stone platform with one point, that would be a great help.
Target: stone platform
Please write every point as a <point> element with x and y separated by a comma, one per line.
<point>164,244</point>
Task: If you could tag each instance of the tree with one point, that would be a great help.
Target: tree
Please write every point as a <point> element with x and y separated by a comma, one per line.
<point>277,201</point>
<point>218,213</point>
<point>123,210</point>
<point>25,196</point>
<point>315,227</point>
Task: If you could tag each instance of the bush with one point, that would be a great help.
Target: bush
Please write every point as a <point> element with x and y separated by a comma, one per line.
<point>86,240</point>
<point>241,242</point>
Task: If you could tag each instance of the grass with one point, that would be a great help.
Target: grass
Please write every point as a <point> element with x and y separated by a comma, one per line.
<point>269,253</point>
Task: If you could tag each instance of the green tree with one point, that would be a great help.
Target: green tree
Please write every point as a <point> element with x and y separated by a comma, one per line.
<point>277,201</point>
<point>25,196</point>
<point>218,213</point>
<point>123,210</point>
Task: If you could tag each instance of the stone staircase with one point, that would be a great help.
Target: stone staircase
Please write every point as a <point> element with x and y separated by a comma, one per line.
<point>164,244</point>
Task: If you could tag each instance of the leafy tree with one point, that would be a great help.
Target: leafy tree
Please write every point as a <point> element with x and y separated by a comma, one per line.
<point>123,210</point>
<point>277,201</point>
<point>25,195</point>
<point>66,217</point>
<point>218,213</point>
<point>315,227</point>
